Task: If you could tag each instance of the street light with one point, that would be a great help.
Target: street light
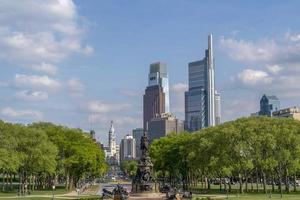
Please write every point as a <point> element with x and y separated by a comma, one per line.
<point>53,188</point>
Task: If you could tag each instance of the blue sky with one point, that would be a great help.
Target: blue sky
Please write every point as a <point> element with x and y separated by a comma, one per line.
<point>83,63</point>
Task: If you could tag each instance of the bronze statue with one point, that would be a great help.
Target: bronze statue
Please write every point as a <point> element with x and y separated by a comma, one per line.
<point>143,181</point>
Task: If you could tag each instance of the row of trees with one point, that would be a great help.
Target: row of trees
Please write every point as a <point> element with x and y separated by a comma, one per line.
<point>43,154</point>
<point>129,167</point>
<point>248,150</point>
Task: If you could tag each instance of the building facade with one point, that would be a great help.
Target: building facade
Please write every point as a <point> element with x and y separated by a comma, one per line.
<point>112,139</point>
<point>163,125</point>
<point>112,150</point>
<point>156,98</point>
<point>202,102</point>
<point>268,105</point>
<point>158,75</point>
<point>137,135</point>
<point>292,112</point>
<point>218,108</point>
<point>127,148</point>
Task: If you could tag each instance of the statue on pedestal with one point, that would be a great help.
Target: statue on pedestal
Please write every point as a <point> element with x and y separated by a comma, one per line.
<point>143,181</point>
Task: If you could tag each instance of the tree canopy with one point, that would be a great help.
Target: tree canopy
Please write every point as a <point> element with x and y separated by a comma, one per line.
<point>245,150</point>
<point>43,154</point>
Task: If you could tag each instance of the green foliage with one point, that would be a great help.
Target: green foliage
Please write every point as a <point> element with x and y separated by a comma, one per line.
<point>129,167</point>
<point>42,152</point>
<point>247,147</point>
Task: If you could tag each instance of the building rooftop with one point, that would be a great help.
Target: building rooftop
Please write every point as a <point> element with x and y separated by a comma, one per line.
<point>271,97</point>
<point>289,110</point>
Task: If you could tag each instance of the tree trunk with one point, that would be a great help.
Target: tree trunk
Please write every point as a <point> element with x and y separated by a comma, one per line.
<point>257,188</point>
<point>286,180</point>
<point>3,181</point>
<point>273,185</point>
<point>264,181</point>
<point>280,183</point>
<point>11,182</point>
<point>295,186</point>
<point>241,183</point>
<point>7,181</point>
<point>246,186</point>
<point>252,189</point>
<point>208,184</point>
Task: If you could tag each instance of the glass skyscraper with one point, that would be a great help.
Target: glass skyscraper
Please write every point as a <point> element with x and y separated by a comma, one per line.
<point>202,102</point>
<point>269,104</point>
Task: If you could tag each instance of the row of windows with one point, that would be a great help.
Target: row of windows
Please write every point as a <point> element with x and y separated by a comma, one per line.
<point>197,68</point>
<point>196,78</point>
<point>197,73</point>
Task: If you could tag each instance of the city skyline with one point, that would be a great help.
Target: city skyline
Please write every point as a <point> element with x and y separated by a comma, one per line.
<point>82,65</point>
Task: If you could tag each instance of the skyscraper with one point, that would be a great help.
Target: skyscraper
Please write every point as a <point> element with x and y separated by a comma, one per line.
<point>137,135</point>
<point>127,148</point>
<point>269,104</point>
<point>159,76</point>
<point>201,99</point>
<point>156,97</point>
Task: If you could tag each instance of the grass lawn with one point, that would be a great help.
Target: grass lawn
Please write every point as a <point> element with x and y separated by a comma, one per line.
<point>246,197</point>
<point>216,193</point>
<point>58,190</point>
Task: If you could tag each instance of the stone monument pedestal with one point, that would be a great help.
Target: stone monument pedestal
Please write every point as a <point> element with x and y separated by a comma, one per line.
<point>143,185</point>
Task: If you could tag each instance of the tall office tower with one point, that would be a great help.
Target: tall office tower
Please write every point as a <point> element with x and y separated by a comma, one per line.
<point>269,104</point>
<point>200,102</point>
<point>127,148</point>
<point>137,135</point>
<point>159,76</point>
<point>218,108</point>
<point>112,140</point>
<point>156,97</point>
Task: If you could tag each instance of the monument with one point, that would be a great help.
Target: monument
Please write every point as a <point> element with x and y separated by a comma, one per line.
<point>143,182</point>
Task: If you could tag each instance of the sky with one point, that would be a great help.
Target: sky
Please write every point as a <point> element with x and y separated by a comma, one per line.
<point>84,63</point>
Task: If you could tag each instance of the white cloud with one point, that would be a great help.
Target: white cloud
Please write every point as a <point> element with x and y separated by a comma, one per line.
<point>34,32</point>
<point>10,112</point>
<point>101,107</point>
<point>74,85</point>
<point>274,68</point>
<point>45,67</point>
<point>179,87</point>
<point>28,95</point>
<point>248,51</point>
<point>293,38</point>
<point>276,64</point>
<point>43,82</point>
<point>268,51</point>
<point>119,120</point>
<point>251,77</point>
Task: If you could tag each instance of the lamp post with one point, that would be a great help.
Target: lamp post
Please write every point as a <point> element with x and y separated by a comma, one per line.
<point>53,188</point>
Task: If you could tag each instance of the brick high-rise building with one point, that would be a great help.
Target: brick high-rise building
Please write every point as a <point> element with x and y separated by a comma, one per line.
<point>156,97</point>
<point>154,103</point>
